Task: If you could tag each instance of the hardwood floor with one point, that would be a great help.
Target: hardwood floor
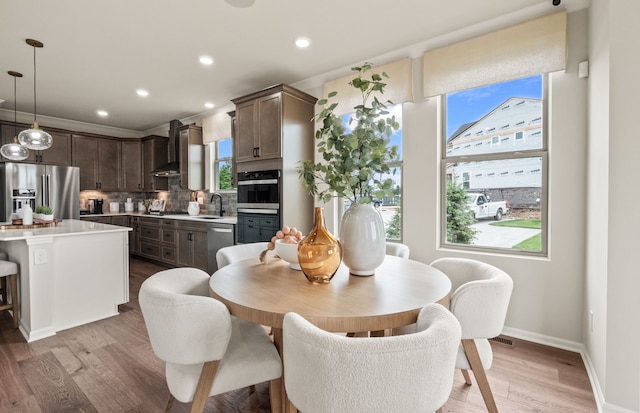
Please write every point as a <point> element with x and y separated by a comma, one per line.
<point>108,366</point>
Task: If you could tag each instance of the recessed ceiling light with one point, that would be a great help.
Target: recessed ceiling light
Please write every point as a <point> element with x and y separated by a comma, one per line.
<point>209,105</point>
<point>102,113</point>
<point>206,60</point>
<point>242,4</point>
<point>142,92</point>
<point>303,42</point>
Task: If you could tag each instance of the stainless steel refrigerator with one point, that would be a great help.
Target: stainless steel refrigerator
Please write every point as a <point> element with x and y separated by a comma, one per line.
<point>36,184</point>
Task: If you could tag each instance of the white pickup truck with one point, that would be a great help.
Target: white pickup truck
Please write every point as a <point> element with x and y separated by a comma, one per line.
<point>481,207</point>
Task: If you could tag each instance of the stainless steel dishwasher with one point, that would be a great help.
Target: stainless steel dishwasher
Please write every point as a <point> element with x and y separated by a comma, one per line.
<point>218,236</point>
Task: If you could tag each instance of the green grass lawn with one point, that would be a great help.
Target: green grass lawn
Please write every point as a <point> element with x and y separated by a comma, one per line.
<point>519,223</point>
<point>531,244</point>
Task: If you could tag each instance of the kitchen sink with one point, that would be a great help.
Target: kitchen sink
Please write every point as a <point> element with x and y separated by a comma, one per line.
<point>205,217</point>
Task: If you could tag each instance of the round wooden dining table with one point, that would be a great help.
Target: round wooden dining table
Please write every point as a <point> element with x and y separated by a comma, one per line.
<point>264,292</point>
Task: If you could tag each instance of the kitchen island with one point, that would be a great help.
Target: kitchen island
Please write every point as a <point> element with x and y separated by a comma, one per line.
<point>69,275</point>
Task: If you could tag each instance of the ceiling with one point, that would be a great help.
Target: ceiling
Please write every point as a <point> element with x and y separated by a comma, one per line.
<point>97,53</point>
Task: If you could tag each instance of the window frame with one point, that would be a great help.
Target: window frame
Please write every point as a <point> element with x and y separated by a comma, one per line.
<point>542,153</point>
<point>215,164</point>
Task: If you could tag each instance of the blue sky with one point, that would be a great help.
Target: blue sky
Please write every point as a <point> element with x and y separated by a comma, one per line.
<point>472,104</point>
<point>224,148</point>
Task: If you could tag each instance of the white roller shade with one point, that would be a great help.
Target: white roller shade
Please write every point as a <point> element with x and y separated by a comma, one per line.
<point>526,49</point>
<point>399,87</point>
<point>215,128</point>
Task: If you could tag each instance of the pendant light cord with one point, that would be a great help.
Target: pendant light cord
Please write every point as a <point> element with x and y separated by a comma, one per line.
<point>15,107</point>
<point>34,84</point>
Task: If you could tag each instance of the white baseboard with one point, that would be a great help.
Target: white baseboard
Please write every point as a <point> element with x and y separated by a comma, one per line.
<point>601,404</point>
<point>560,343</point>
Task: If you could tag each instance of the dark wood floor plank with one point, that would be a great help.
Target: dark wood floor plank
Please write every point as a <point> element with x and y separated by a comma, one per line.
<point>97,382</point>
<point>14,389</point>
<point>88,368</point>
<point>28,405</point>
<point>87,337</point>
<point>143,375</point>
<point>52,386</point>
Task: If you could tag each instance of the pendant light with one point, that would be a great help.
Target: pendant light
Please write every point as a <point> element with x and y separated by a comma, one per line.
<point>14,151</point>
<point>35,138</point>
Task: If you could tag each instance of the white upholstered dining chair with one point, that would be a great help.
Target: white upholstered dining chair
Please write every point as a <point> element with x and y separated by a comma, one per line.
<point>326,372</point>
<point>234,253</point>
<point>480,298</point>
<point>397,249</point>
<point>206,351</point>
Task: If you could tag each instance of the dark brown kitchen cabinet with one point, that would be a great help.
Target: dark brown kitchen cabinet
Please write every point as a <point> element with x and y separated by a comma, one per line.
<point>58,154</point>
<point>134,240</point>
<point>262,118</point>
<point>157,239</point>
<point>155,152</point>
<point>191,240</point>
<point>60,151</point>
<point>191,158</point>
<point>99,160</point>
<point>131,166</point>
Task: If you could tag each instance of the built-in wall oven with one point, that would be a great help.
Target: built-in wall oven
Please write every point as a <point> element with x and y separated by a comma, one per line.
<point>258,205</point>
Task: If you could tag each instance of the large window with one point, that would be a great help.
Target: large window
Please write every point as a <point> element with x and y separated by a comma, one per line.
<point>494,166</point>
<point>389,207</point>
<point>222,164</point>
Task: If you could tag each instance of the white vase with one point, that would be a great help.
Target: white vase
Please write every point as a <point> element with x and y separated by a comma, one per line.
<point>363,239</point>
<point>193,208</point>
<point>27,215</point>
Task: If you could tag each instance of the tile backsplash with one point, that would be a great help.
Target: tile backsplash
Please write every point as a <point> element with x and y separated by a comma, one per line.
<point>176,199</point>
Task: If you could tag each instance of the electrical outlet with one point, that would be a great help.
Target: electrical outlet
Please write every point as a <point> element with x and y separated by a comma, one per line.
<point>591,321</point>
<point>40,257</point>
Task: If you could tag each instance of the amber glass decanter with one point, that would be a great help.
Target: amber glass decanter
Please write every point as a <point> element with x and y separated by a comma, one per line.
<point>319,253</point>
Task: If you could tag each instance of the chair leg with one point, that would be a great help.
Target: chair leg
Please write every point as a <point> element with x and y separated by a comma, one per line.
<point>13,286</point>
<point>275,397</point>
<point>471,351</point>
<point>467,378</point>
<point>169,404</point>
<point>209,370</point>
<point>3,290</point>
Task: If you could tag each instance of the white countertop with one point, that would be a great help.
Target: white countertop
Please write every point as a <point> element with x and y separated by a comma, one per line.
<point>67,227</point>
<point>185,217</point>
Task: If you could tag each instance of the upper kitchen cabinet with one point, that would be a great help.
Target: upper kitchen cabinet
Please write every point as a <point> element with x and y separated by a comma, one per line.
<point>191,157</point>
<point>131,165</point>
<point>264,119</point>
<point>99,160</point>
<point>155,152</point>
<point>58,154</point>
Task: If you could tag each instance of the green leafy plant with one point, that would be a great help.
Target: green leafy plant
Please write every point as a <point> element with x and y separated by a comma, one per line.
<point>44,209</point>
<point>394,227</point>
<point>353,160</point>
<point>459,217</point>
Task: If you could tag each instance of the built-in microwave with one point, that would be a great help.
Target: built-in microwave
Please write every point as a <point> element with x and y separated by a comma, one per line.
<point>258,205</point>
<point>259,190</point>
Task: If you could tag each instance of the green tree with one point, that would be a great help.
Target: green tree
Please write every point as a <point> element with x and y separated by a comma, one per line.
<point>459,218</point>
<point>394,227</point>
<point>224,177</point>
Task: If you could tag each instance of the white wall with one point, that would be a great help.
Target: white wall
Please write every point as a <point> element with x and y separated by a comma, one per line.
<point>622,377</point>
<point>598,189</point>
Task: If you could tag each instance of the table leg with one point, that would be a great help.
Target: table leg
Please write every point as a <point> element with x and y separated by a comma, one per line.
<point>382,333</point>
<point>287,406</point>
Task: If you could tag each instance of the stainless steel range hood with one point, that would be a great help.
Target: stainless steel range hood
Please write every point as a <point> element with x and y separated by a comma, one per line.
<point>172,168</point>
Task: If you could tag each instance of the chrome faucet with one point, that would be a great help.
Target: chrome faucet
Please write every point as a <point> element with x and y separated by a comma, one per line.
<point>213,195</point>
